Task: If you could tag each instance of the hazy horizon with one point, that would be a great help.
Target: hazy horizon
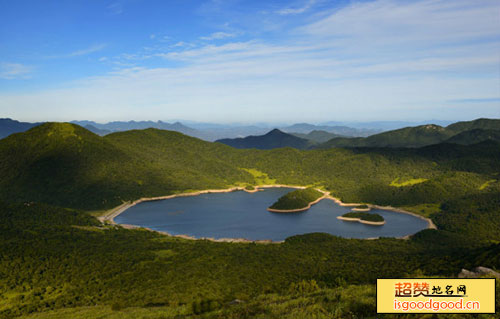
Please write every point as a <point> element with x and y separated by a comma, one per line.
<point>187,122</point>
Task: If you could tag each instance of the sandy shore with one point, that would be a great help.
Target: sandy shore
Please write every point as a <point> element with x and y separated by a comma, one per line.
<point>430,223</point>
<point>359,220</point>
<point>355,209</point>
<point>110,215</point>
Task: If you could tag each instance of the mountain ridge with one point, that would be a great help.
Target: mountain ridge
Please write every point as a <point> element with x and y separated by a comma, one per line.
<point>417,136</point>
<point>272,139</point>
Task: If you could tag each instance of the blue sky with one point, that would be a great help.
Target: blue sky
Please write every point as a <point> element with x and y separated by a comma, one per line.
<point>249,61</point>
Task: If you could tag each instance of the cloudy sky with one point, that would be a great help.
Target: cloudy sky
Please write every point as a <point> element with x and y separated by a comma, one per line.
<point>249,61</point>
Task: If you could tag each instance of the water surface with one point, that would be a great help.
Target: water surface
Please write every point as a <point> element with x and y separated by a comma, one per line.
<point>244,215</point>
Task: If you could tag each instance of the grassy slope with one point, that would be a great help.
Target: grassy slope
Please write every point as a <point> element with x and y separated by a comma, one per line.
<point>297,199</point>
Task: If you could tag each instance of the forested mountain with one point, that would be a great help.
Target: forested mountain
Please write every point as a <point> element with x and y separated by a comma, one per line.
<point>474,135</point>
<point>484,124</point>
<point>67,165</point>
<point>421,135</point>
<point>273,139</point>
<point>9,126</point>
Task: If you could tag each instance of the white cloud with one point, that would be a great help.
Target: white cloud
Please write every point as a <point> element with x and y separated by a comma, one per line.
<point>92,49</point>
<point>89,50</point>
<point>115,8</point>
<point>179,44</point>
<point>302,9</point>
<point>254,91</point>
<point>218,36</point>
<point>9,71</point>
<point>424,22</point>
<point>207,51</point>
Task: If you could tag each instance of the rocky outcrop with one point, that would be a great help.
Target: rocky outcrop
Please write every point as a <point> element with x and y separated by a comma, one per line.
<point>478,272</point>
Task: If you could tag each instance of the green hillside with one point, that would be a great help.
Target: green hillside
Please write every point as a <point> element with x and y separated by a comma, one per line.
<point>66,165</point>
<point>474,135</point>
<point>484,124</point>
<point>406,137</point>
<point>423,135</point>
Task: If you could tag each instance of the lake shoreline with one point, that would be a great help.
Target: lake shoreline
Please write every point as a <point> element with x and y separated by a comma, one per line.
<point>111,214</point>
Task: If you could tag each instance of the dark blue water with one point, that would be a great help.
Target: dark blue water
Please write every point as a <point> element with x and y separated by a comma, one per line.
<point>244,215</point>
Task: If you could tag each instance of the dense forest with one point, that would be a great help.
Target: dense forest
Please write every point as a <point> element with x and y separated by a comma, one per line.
<point>58,261</point>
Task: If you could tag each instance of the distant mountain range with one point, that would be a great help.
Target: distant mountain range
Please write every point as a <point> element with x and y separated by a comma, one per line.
<point>300,135</point>
<point>386,125</point>
<point>119,126</point>
<point>273,139</point>
<point>317,136</point>
<point>204,131</point>
<point>8,127</point>
<point>459,133</point>
<point>306,128</point>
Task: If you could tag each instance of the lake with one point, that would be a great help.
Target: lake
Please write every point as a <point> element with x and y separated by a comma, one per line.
<point>244,215</point>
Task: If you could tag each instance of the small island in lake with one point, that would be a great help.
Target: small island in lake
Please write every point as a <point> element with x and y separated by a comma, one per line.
<point>296,201</point>
<point>361,208</point>
<point>365,218</point>
<point>250,189</point>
